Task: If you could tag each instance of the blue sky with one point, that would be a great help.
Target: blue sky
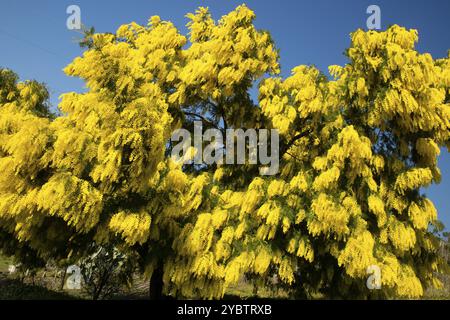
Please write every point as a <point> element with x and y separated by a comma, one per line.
<point>37,45</point>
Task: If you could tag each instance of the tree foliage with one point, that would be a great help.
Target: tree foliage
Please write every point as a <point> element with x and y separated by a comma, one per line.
<point>355,152</point>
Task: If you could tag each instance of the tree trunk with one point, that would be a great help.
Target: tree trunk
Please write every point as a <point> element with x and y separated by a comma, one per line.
<point>255,290</point>
<point>96,294</point>
<point>63,279</point>
<point>156,283</point>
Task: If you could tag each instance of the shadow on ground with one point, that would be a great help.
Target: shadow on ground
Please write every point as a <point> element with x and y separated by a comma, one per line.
<point>12,289</point>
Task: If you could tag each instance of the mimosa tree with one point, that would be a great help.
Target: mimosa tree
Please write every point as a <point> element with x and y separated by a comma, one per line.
<point>355,153</point>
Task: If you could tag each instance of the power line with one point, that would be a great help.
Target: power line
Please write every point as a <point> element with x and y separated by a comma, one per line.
<point>28,42</point>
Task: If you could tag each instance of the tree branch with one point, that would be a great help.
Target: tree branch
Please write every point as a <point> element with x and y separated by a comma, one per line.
<point>287,146</point>
<point>192,114</point>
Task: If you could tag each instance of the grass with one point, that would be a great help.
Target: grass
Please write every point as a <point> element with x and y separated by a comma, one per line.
<point>4,263</point>
<point>245,290</point>
<point>12,289</point>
